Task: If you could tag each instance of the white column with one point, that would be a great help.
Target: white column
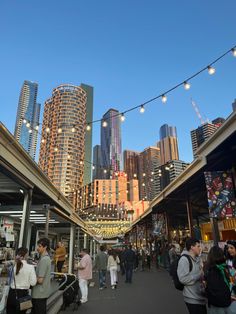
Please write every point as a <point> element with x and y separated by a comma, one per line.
<point>72,245</point>
<point>25,218</point>
<point>85,241</point>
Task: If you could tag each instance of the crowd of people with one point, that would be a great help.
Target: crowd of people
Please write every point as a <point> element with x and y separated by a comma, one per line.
<point>211,284</point>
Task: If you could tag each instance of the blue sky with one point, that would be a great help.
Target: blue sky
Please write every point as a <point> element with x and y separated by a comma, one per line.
<point>129,51</point>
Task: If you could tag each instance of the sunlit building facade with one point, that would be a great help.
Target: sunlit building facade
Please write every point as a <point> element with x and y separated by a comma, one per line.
<point>130,159</point>
<point>27,119</point>
<point>62,147</point>
<point>168,144</point>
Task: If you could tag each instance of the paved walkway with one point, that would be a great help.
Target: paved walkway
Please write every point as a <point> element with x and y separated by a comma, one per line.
<point>151,292</point>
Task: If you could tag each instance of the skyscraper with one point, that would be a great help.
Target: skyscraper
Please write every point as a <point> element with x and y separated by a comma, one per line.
<point>28,111</point>
<point>97,162</point>
<point>111,142</point>
<point>62,147</point>
<point>201,134</point>
<point>131,164</point>
<point>234,105</point>
<point>168,144</point>
<point>149,160</point>
<point>88,135</point>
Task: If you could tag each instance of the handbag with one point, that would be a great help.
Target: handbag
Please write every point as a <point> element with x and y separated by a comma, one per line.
<point>24,303</point>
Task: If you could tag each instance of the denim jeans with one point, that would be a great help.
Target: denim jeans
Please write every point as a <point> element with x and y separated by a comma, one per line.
<point>128,272</point>
<point>102,278</point>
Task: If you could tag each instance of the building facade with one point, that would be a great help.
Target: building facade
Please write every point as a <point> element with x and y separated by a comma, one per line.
<point>234,105</point>
<point>149,160</point>
<point>27,119</point>
<point>62,147</point>
<point>111,142</point>
<point>130,159</point>
<point>88,135</point>
<point>168,144</point>
<point>97,162</point>
<point>201,134</point>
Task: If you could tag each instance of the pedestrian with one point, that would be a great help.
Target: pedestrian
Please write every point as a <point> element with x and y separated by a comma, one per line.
<point>148,259</point>
<point>22,276</point>
<point>217,282</point>
<point>143,259</point>
<point>42,290</point>
<point>101,266</point>
<point>85,270</point>
<point>231,263</point>
<point>172,253</point>
<point>129,264</point>
<point>112,266</point>
<point>122,261</point>
<point>136,259</point>
<point>60,256</point>
<point>191,276</point>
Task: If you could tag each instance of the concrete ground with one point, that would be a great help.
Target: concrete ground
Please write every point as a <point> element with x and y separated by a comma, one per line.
<point>151,292</point>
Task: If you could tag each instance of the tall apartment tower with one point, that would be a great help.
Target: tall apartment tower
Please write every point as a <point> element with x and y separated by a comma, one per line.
<point>168,144</point>
<point>131,164</point>
<point>234,105</point>
<point>88,135</point>
<point>28,111</point>
<point>149,160</point>
<point>111,142</point>
<point>97,162</point>
<point>62,147</point>
<point>201,134</point>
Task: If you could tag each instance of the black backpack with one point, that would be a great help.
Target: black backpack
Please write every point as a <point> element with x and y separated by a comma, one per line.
<point>173,271</point>
<point>218,292</point>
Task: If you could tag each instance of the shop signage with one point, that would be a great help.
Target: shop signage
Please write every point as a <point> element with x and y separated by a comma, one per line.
<point>220,194</point>
<point>159,225</point>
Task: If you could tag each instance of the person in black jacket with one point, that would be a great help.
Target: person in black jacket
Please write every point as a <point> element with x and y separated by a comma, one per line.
<point>217,282</point>
<point>129,258</point>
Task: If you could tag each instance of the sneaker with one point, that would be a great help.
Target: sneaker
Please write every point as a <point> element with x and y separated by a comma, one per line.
<point>113,287</point>
<point>83,301</point>
<point>101,288</point>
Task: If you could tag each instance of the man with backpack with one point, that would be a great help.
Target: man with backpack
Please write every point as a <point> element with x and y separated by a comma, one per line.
<point>190,274</point>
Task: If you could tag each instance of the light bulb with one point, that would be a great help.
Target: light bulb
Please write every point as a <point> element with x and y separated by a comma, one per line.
<point>234,52</point>
<point>81,162</point>
<point>104,124</point>
<point>164,98</point>
<point>27,124</point>
<point>43,140</point>
<point>93,167</point>
<point>105,171</point>
<point>187,85</point>
<point>68,156</point>
<point>24,121</point>
<point>142,109</point>
<point>55,149</point>
<point>73,129</point>
<point>122,118</point>
<point>30,131</point>
<point>59,130</point>
<point>47,130</point>
<point>211,70</point>
<point>37,127</point>
<point>88,127</point>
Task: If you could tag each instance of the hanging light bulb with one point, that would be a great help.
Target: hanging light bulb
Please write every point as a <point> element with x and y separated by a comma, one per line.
<point>122,117</point>
<point>187,85</point>
<point>47,130</point>
<point>142,109</point>
<point>105,170</point>
<point>36,127</point>
<point>211,70</point>
<point>55,149</point>
<point>144,174</point>
<point>234,52</point>
<point>27,124</point>
<point>24,121</point>
<point>73,129</point>
<point>59,130</point>
<point>164,99</point>
<point>68,156</point>
<point>43,140</point>
<point>88,127</point>
<point>81,162</point>
<point>104,123</point>
<point>93,167</point>
<point>135,175</point>
<point>30,131</point>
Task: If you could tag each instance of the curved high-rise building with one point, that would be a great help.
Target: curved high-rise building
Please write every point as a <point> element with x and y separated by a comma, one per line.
<point>62,147</point>
<point>28,111</point>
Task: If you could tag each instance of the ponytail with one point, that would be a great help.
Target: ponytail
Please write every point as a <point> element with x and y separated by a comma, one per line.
<point>20,254</point>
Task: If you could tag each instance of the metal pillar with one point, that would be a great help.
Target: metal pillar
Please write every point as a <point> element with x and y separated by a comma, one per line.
<point>136,236</point>
<point>94,247</point>
<point>78,240</point>
<point>25,218</point>
<point>168,235</point>
<point>215,230</point>
<point>47,223</point>
<point>72,245</point>
<point>91,247</point>
<point>190,216</point>
<point>85,241</point>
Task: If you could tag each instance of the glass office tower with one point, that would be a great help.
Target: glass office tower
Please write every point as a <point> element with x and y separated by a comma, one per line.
<point>28,109</point>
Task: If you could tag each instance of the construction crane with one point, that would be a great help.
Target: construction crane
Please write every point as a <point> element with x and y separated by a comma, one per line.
<point>198,112</point>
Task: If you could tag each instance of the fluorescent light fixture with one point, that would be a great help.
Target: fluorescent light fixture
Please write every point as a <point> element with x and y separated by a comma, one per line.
<point>15,212</point>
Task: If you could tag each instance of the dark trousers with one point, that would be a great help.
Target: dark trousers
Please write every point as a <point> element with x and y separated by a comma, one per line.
<point>59,266</point>
<point>39,306</point>
<point>196,308</point>
<point>128,273</point>
<point>102,277</point>
<point>12,304</point>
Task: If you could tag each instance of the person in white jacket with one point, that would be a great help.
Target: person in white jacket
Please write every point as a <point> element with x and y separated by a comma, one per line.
<point>112,266</point>
<point>22,276</point>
